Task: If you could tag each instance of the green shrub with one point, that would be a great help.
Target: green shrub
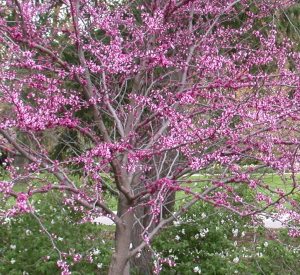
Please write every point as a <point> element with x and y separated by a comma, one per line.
<point>26,248</point>
<point>209,240</point>
<point>206,239</point>
<point>202,237</point>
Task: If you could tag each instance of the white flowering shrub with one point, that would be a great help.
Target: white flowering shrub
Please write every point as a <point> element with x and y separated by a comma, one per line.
<point>201,241</point>
<point>212,241</point>
<point>27,249</point>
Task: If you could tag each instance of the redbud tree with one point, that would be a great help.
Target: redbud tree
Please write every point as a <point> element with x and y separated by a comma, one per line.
<point>157,91</point>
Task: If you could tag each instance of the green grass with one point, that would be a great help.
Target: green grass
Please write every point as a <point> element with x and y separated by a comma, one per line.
<point>197,184</point>
<point>270,183</point>
<point>275,181</point>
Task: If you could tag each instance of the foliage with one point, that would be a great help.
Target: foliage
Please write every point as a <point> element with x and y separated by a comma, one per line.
<point>223,243</point>
<point>205,238</point>
<point>27,249</point>
<point>204,243</point>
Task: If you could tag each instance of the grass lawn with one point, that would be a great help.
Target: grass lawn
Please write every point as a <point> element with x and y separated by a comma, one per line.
<point>197,184</point>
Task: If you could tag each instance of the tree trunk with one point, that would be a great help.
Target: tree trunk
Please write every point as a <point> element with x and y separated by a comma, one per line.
<point>142,262</point>
<point>119,263</point>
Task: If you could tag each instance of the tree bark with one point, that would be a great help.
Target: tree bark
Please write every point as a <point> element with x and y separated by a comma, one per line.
<point>119,263</point>
<point>142,263</point>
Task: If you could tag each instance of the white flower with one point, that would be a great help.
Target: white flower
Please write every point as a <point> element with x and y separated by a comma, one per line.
<point>12,261</point>
<point>138,255</point>
<point>13,246</point>
<point>60,239</point>
<point>28,232</point>
<point>203,215</point>
<point>176,223</point>
<point>7,220</point>
<point>197,269</point>
<point>197,236</point>
<point>235,232</point>
<point>177,238</point>
<point>96,251</point>
<point>100,265</point>
<point>236,260</point>
<point>266,244</point>
<point>52,222</point>
<point>243,234</point>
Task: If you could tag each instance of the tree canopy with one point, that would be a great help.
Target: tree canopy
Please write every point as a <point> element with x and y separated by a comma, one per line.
<point>157,91</point>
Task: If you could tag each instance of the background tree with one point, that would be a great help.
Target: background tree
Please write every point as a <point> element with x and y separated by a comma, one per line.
<point>157,91</point>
